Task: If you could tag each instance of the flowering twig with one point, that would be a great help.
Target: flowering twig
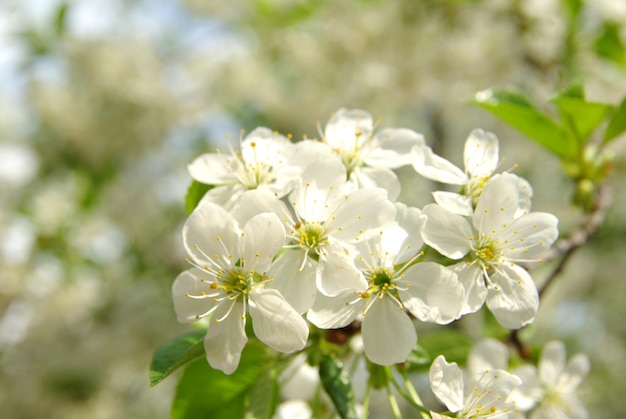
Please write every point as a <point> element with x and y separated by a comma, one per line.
<point>581,235</point>
<point>566,247</point>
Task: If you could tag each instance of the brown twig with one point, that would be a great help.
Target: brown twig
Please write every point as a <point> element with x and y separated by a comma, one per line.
<point>566,247</point>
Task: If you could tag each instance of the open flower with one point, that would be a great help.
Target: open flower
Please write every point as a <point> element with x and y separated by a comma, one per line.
<point>480,157</point>
<point>369,158</point>
<point>395,286</point>
<point>485,395</point>
<point>321,223</point>
<point>490,246</point>
<point>263,163</point>
<point>552,388</point>
<point>228,280</point>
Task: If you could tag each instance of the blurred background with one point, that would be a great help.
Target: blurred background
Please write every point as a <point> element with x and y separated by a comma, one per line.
<point>103,103</point>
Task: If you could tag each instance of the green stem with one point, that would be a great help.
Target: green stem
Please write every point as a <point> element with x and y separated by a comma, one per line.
<point>394,404</point>
<point>366,401</point>
<point>411,396</point>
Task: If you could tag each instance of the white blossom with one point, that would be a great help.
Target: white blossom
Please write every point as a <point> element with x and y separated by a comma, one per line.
<point>322,222</point>
<point>395,286</point>
<point>228,279</point>
<point>368,157</point>
<point>480,157</point>
<point>485,395</point>
<point>490,246</point>
<point>551,390</point>
<point>263,163</point>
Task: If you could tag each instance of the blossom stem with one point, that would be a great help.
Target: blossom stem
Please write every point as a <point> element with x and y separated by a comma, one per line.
<point>366,401</point>
<point>410,395</point>
<point>393,403</point>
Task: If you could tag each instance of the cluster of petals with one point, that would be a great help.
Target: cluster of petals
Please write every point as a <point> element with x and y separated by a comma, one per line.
<point>479,394</point>
<point>309,231</point>
<point>481,159</point>
<point>490,245</point>
<point>544,392</point>
<point>395,286</point>
<point>228,279</point>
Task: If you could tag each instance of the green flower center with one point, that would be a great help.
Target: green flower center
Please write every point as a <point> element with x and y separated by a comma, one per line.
<point>312,235</point>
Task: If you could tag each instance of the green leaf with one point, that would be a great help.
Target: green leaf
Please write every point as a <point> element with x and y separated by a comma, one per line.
<point>516,110</point>
<point>337,384</point>
<point>609,45</point>
<point>572,9</point>
<point>617,124</point>
<point>264,396</point>
<point>453,344</point>
<point>579,116</point>
<point>419,356</point>
<point>203,392</point>
<point>60,19</point>
<point>175,353</point>
<point>195,192</point>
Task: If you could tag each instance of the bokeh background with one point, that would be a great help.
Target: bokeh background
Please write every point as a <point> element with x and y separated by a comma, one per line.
<point>103,103</point>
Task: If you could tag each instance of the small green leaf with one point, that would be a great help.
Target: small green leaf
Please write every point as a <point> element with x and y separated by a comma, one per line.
<point>60,18</point>
<point>264,396</point>
<point>175,353</point>
<point>453,344</point>
<point>609,45</point>
<point>617,124</point>
<point>572,9</point>
<point>578,115</point>
<point>516,110</point>
<point>337,384</point>
<point>419,356</point>
<point>194,194</point>
<point>203,392</point>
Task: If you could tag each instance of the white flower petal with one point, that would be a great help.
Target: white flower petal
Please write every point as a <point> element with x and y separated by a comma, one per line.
<point>471,277</point>
<point>498,204</point>
<point>304,152</point>
<point>275,322</point>
<point>395,148</point>
<point>410,221</point>
<point>257,201</point>
<point>189,283</point>
<point>529,236</point>
<point>388,333</point>
<point>448,233</point>
<point>213,169</point>
<point>488,354</point>
<point>321,188</point>
<point>337,273</point>
<point>577,369</point>
<point>294,277</point>
<point>335,312</point>
<point>210,234</point>
<point>552,362</point>
<point>262,238</point>
<point>434,167</point>
<point>446,381</point>
<point>377,177</point>
<point>359,212</point>
<point>268,148</point>
<point>434,295</point>
<point>515,302</point>
<point>225,340</point>
<point>481,153</point>
<point>226,197</point>
<point>530,391</point>
<point>347,126</point>
<point>494,389</point>
<point>454,202</point>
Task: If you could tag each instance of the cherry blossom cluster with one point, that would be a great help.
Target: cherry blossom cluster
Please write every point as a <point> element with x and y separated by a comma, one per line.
<point>487,389</point>
<point>293,233</point>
